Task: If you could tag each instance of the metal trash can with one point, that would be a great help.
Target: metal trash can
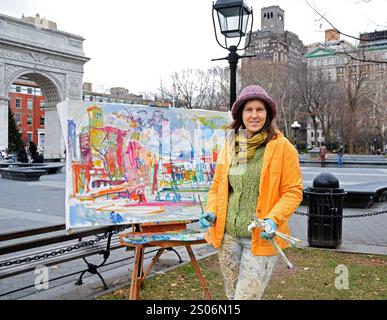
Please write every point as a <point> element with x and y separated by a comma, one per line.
<point>325,211</point>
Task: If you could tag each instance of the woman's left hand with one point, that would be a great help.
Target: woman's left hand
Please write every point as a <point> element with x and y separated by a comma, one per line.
<point>268,236</point>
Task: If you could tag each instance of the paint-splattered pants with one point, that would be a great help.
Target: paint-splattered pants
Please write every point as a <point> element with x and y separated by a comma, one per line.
<point>245,275</point>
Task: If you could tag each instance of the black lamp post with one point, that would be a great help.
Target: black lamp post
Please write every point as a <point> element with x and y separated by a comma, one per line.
<point>295,126</point>
<point>233,19</point>
<point>375,146</point>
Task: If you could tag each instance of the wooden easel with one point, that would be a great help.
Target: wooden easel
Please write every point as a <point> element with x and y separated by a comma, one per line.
<point>138,274</point>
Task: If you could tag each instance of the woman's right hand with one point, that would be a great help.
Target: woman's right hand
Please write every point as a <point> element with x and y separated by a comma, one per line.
<point>206,219</point>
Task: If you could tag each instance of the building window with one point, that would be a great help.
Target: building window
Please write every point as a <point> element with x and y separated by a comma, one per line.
<point>29,104</point>
<point>29,90</point>
<point>18,89</point>
<point>41,120</point>
<point>352,69</point>
<point>18,118</point>
<point>18,103</point>
<point>29,119</point>
<point>29,136</point>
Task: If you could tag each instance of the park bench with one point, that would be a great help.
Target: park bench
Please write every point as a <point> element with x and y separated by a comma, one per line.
<point>22,174</point>
<point>50,167</point>
<point>363,195</point>
<point>29,171</point>
<point>23,251</point>
<point>5,163</point>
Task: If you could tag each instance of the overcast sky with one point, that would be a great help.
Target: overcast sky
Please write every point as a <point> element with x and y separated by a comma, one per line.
<point>134,44</point>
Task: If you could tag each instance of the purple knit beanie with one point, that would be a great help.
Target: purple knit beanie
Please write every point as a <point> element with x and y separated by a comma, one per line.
<point>251,93</point>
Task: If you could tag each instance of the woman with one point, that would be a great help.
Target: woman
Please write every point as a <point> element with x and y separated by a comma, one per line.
<point>323,154</point>
<point>261,176</point>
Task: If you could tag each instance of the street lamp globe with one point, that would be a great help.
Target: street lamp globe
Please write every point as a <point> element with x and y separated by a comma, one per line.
<point>233,20</point>
<point>295,126</point>
<point>233,16</point>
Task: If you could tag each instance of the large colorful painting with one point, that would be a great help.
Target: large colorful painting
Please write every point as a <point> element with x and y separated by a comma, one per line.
<point>136,164</point>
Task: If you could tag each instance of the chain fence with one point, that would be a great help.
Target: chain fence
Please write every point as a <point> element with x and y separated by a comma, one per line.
<point>360,215</point>
<point>106,235</point>
<point>54,253</point>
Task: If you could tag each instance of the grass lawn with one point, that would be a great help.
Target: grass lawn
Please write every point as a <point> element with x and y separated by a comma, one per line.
<point>313,277</point>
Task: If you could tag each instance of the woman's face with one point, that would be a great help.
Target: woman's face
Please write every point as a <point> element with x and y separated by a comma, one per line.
<point>254,116</point>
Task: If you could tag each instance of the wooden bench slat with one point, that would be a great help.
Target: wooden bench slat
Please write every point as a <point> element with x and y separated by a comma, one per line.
<point>31,232</point>
<point>68,256</point>
<point>55,239</point>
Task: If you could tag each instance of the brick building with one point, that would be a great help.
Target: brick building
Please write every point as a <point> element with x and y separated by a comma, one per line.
<point>27,104</point>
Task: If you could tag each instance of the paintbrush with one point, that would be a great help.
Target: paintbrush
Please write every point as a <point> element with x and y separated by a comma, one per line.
<point>201,205</point>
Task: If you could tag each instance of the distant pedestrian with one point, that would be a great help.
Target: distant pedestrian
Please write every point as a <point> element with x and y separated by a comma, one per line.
<point>35,156</point>
<point>323,154</point>
<point>22,155</point>
<point>340,154</point>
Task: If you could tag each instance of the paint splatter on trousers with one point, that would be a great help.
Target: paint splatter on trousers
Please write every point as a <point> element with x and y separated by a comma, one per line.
<point>245,276</point>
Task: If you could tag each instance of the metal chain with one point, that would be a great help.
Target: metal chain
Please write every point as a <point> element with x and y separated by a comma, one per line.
<point>360,215</point>
<point>63,250</point>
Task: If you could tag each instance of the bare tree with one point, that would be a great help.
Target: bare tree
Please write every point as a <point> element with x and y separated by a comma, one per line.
<point>218,89</point>
<point>192,87</point>
<point>378,102</point>
<point>198,89</point>
<point>313,88</point>
<point>353,94</point>
<point>279,81</point>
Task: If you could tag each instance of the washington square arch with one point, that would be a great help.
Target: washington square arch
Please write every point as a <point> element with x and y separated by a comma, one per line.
<point>52,59</point>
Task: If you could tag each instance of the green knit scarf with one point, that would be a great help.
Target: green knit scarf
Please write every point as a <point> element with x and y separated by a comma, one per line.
<point>241,152</point>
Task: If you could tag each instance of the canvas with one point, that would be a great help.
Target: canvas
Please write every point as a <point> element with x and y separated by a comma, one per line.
<point>135,164</point>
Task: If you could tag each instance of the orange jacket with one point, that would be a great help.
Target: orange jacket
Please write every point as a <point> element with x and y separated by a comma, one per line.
<point>280,193</point>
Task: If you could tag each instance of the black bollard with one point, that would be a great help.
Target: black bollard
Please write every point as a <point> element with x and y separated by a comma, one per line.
<point>325,209</point>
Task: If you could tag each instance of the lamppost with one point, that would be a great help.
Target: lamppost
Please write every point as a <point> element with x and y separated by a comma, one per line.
<point>375,146</point>
<point>233,19</point>
<point>295,126</point>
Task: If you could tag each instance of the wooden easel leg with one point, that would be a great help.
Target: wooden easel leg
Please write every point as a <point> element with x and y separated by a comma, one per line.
<point>137,271</point>
<point>154,260</point>
<point>197,269</point>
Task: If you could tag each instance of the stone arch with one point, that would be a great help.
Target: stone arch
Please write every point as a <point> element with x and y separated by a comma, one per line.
<point>52,93</point>
<point>53,59</point>
<point>45,81</point>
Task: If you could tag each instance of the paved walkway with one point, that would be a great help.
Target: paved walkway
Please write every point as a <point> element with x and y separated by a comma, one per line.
<point>35,204</point>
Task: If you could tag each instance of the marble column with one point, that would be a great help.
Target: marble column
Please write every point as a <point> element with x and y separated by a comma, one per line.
<point>3,123</point>
<point>54,143</point>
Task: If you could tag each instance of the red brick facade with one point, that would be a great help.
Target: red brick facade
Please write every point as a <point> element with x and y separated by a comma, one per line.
<point>25,101</point>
